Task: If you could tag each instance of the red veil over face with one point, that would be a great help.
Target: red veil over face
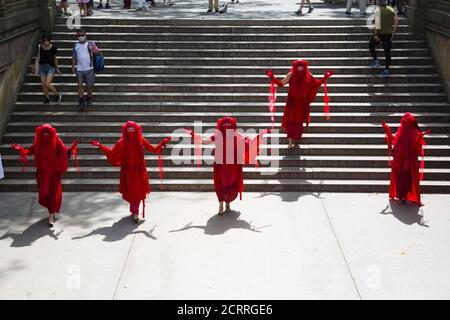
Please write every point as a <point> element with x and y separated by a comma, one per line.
<point>228,173</point>
<point>132,144</point>
<point>299,79</point>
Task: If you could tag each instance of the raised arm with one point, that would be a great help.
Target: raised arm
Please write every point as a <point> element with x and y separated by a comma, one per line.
<point>198,138</point>
<point>112,154</point>
<point>156,149</point>
<point>23,154</point>
<point>279,83</point>
<point>389,136</point>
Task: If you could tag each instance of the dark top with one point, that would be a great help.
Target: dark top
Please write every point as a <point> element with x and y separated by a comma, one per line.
<point>48,56</point>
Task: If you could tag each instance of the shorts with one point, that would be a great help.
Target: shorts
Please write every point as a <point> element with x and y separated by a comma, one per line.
<point>46,69</point>
<point>86,77</point>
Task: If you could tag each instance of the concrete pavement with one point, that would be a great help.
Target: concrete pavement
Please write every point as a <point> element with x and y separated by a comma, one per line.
<point>273,246</point>
<point>245,9</point>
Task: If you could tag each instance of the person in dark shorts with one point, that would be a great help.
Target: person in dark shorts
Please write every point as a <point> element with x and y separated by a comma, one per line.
<point>47,66</point>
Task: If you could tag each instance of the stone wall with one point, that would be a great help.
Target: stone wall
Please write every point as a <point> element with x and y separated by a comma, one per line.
<point>431,19</point>
<point>21,23</point>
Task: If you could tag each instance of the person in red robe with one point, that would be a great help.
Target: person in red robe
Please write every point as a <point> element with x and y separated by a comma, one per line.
<point>232,151</point>
<point>303,87</point>
<point>128,154</point>
<point>51,159</point>
<point>406,146</point>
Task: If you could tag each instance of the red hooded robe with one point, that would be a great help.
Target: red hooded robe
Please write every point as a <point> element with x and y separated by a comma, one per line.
<point>51,159</point>
<point>407,144</point>
<point>303,88</point>
<point>232,151</point>
<point>128,154</point>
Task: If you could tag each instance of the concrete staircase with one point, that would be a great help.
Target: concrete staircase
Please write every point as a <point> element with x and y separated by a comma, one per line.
<point>166,74</point>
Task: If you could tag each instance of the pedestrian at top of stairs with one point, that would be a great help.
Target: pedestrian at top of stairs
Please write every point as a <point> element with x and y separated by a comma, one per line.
<point>46,65</point>
<point>362,8</point>
<point>83,66</point>
<point>90,7</point>
<point>83,6</point>
<point>302,4</point>
<point>214,4</point>
<point>386,23</point>
<point>100,5</point>
<point>62,8</point>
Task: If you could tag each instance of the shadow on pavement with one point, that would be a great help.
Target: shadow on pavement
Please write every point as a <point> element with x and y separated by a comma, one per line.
<point>407,213</point>
<point>220,224</point>
<point>119,231</point>
<point>34,232</point>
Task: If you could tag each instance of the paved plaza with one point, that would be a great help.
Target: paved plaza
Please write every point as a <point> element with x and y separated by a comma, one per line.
<point>272,246</point>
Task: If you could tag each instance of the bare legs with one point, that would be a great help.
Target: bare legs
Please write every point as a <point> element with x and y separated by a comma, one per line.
<point>227,208</point>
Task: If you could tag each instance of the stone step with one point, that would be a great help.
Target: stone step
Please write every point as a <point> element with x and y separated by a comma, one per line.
<point>61,29</point>
<point>232,107</point>
<point>202,79</point>
<point>206,172</point>
<point>378,96</point>
<point>253,61</point>
<point>228,88</point>
<point>308,138</point>
<point>226,37</point>
<point>281,161</point>
<point>281,149</point>
<point>261,185</point>
<point>94,116</point>
<point>255,70</point>
<point>146,21</point>
<point>260,53</point>
<point>170,126</point>
<point>362,43</point>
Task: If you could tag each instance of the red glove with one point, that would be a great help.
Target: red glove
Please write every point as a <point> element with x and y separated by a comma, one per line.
<point>165,141</point>
<point>383,123</point>
<point>95,143</point>
<point>17,147</point>
<point>269,73</point>
<point>329,73</point>
<point>189,132</point>
<point>74,145</point>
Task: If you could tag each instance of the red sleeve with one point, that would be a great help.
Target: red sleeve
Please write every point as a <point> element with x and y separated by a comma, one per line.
<point>155,149</point>
<point>389,136</point>
<point>313,87</point>
<point>62,155</point>
<point>114,154</point>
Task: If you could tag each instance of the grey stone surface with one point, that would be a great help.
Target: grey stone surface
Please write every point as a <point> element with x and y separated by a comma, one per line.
<point>272,246</point>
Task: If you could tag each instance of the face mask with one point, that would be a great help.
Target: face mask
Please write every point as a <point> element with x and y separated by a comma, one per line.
<point>82,38</point>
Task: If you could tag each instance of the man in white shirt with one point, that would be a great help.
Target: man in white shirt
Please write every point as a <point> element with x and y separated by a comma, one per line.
<point>83,67</point>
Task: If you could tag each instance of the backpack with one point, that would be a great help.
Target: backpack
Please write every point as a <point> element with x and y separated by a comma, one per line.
<point>98,61</point>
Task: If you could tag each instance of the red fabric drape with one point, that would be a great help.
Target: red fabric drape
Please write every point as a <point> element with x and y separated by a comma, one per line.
<point>128,154</point>
<point>303,88</point>
<point>406,145</point>
<point>51,159</point>
<point>232,151</point>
